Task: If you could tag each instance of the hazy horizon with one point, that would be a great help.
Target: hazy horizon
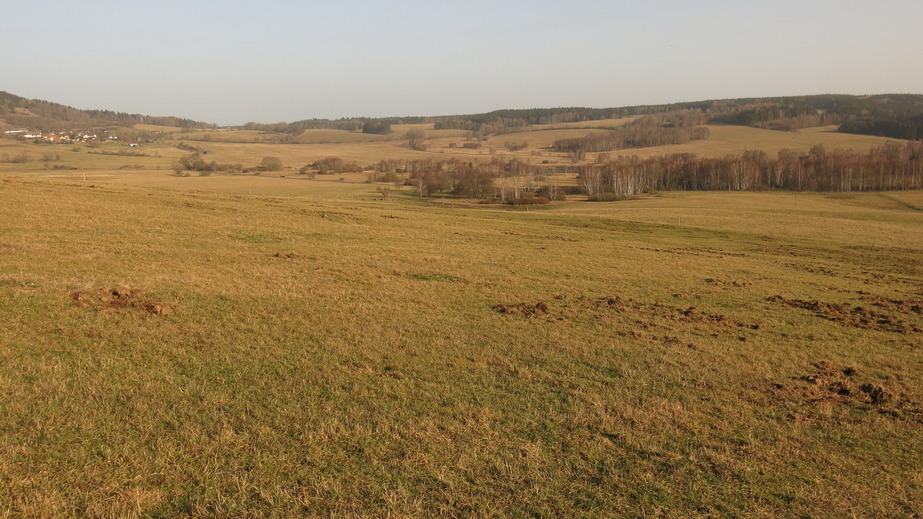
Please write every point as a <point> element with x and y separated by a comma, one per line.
<point>235,62</point>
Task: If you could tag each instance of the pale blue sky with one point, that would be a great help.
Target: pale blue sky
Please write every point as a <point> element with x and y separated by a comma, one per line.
<point>235,61</point>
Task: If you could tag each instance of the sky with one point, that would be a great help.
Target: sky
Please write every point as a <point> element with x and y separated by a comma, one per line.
<point>230,62</point>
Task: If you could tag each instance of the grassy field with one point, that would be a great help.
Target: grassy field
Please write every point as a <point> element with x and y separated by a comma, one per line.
<point>273,345</point>
<point>246,346</point>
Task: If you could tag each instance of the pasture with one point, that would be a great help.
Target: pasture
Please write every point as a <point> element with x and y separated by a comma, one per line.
<point>240,345</point>
<point>186,352</point>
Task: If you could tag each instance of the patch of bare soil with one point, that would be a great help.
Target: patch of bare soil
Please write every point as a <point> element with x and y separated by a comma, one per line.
<point>829,385</point>
<point>119,299</point>
<point>697,251</point>
<point>639,316</point>
<point>523,309</point>
<point>848,315</point>
<point>909,306</point>
<point>723,283</point>
<point>674,313</point>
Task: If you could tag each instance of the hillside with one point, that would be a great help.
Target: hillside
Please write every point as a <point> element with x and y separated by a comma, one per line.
<point>45,116</point>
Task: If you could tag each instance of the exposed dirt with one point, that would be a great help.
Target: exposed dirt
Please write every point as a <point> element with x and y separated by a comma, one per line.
<point>848,315</point>
<point>829,385</point>
<point>523,309</point>
<point>674,313</point>
<point>693,251</point>
<point>722,283</point>
<point>909,306</point>
<point>119,299</point>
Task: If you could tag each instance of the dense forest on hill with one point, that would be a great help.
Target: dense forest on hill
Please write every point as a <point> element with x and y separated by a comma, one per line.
<point>46,116</point>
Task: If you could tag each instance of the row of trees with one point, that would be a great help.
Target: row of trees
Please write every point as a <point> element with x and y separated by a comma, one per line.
<point>910,128</point>
<point>889,167</point>
<point>196,162</point>
<point>642,133</point>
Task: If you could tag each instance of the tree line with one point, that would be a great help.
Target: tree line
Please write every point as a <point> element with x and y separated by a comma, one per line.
<point>910,128</point>
<point>891,166</point>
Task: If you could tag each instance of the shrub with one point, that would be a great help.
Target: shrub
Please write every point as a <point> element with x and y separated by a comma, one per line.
<point>270,164</point>
<point>376,127</point>
<point>331,165</point>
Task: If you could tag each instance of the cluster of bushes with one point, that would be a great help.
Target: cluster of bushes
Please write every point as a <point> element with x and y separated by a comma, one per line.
<point>390,176</point>
<point>416,139</point>
<point>186,147</point>
<point>195,162</point>
<point>495,178</point>
<point>19,158</point>
<point>376,127</point>
<point>332,165</point>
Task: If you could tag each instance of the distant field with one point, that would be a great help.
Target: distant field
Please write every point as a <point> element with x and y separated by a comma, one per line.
<point>188,348</point>
<point>602,123</point>
<point>733,140</point>
<point>158,128</point>
<point>248,147</point>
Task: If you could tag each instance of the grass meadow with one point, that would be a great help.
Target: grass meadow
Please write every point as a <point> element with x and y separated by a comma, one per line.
<point>240,346</point>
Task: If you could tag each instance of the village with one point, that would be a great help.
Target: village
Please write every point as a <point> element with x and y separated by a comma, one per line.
<point>64,137</point>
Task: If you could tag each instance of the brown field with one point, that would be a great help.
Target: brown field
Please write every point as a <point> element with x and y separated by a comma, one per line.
<point>250,346</point>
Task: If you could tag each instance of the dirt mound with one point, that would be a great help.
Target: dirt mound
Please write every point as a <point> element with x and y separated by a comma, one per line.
<point>674,313</point>
<point>523,309</point>
<point>909,306</point>
<point>847,315</point>
<point>723,283</point>
<point>120,299</point>
<point>829,385</point>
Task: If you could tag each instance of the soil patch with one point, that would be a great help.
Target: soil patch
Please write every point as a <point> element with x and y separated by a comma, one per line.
<point>674,313</point>
<point>120,299</point>
<point>848,315</point>
<point>722,283</point>
<point>828,385</point>
<point>909,306</point>
<point>523,309</point>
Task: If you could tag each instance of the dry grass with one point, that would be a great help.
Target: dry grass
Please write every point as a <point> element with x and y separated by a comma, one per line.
<point>328,354</point>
